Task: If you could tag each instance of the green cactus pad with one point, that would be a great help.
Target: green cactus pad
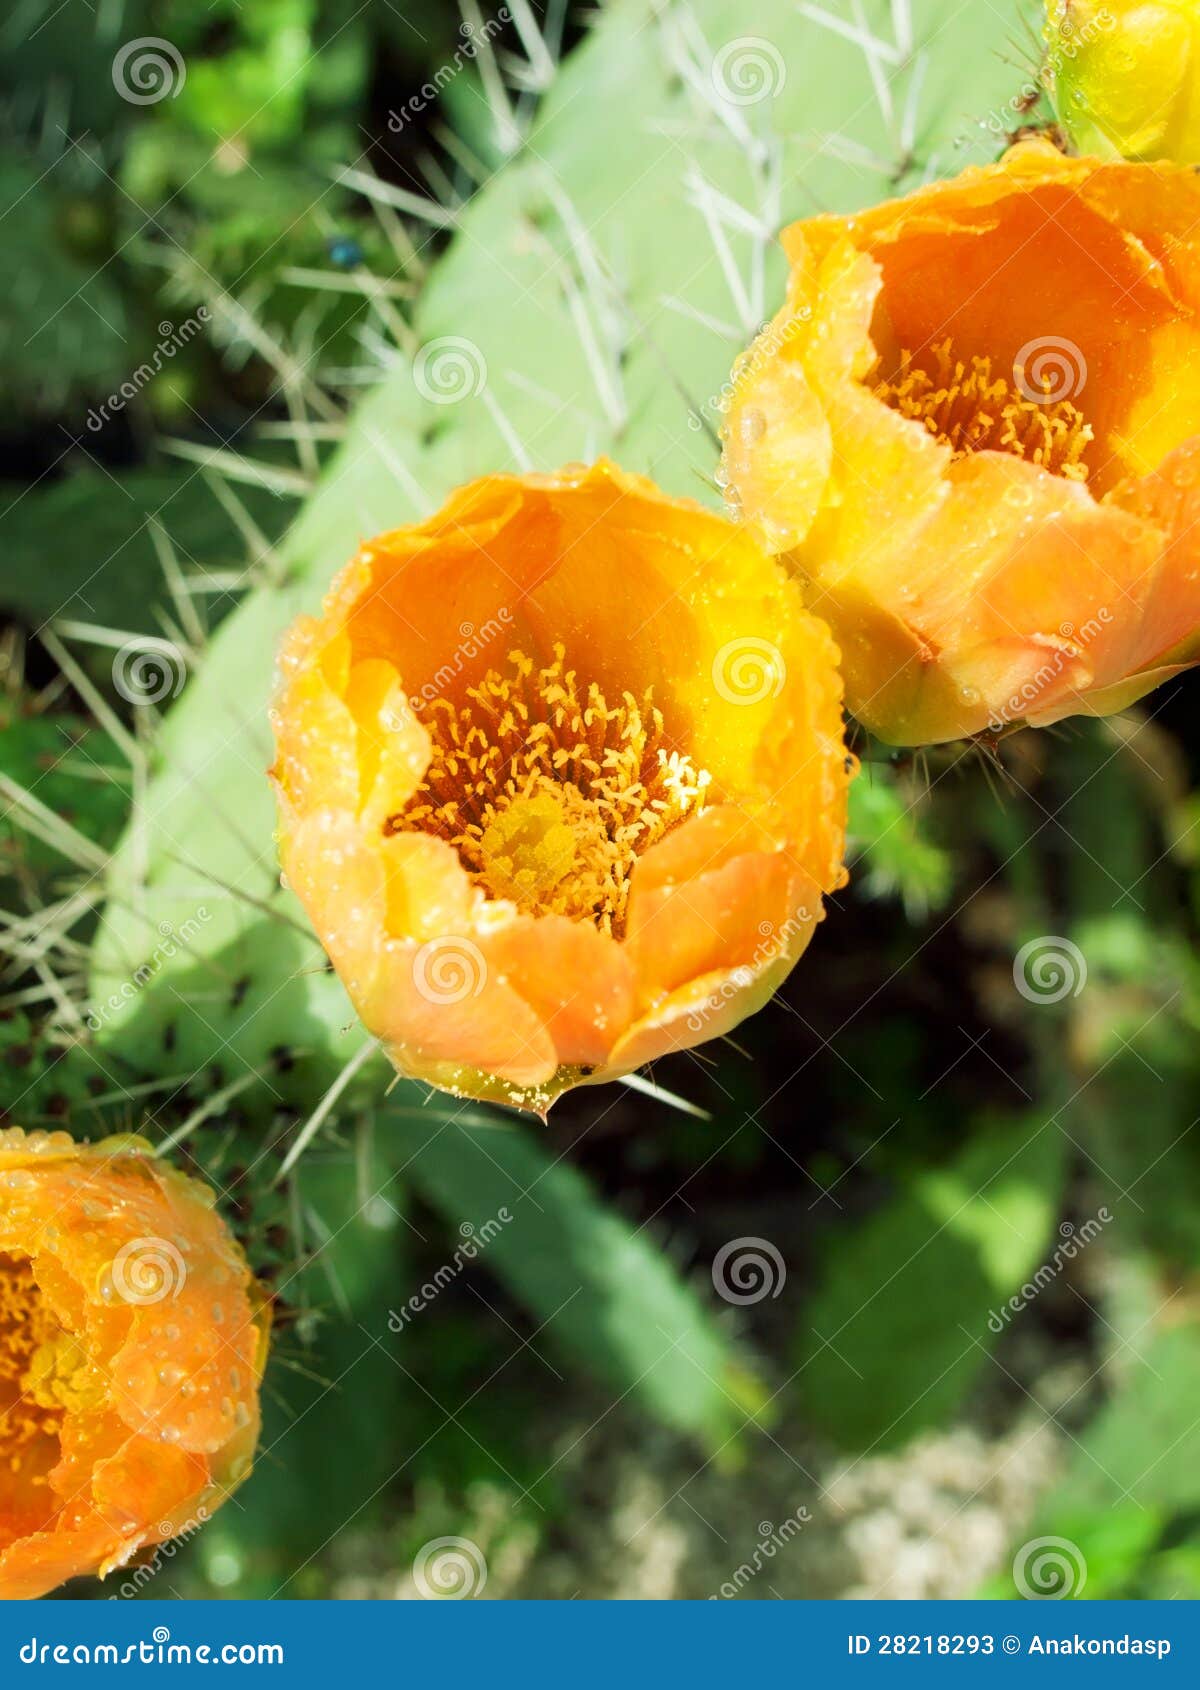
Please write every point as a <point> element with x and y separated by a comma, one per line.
<point>591,300</point>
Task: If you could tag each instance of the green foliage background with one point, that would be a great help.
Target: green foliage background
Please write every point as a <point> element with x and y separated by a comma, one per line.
<point>915,1136</point>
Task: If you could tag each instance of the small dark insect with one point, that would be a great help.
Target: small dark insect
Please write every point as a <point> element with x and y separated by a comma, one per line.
<point>1051,132</point>
<point>345,252</point>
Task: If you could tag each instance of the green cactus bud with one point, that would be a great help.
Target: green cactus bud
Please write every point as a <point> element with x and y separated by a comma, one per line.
<point>1124,76</point>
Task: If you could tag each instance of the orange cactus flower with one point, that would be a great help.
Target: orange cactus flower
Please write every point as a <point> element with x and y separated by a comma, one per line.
<point>974,428</point>
<point>561,781</point>
<point>132,1343</point>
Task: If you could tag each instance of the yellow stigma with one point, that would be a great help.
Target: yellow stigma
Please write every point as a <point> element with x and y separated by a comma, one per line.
<point>528,848</point>
<point>971,410</point>
<point>548,793</point>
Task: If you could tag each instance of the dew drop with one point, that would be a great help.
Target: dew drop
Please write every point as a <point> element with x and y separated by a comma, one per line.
<point>752,427</point>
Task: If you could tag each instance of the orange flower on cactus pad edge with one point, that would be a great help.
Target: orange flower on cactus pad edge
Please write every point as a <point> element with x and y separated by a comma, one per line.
<point>132,1343</point>
<point>561,781</point>
<point>974,429</point>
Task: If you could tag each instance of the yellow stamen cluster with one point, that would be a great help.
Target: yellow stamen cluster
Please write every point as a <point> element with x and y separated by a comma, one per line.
<point>29,1417</point>
<point>972,410</point>
<point>548,793</point>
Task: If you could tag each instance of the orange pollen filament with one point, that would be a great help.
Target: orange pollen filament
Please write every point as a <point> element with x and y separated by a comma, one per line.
<point>969,409</point>
<point>548,792</point>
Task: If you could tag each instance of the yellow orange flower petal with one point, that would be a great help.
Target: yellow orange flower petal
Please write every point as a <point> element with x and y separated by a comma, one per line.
<point>548,759</point>
<point>132,1342</point>
<point>971,429</point>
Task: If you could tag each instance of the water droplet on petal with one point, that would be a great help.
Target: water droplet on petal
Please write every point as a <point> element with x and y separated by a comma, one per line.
<point>752,427</point>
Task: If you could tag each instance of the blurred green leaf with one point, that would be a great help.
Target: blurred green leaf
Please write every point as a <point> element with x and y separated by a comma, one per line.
<point>604,1295</point>
<point>1141,1448</point>
<point>900,1326</point>
<point>1134,1469</point>
<point>255,89</point>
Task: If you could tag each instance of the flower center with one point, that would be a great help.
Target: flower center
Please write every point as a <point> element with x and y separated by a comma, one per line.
<point>43,1374</point>
<point>971,409</point>
<point>548,793</point>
